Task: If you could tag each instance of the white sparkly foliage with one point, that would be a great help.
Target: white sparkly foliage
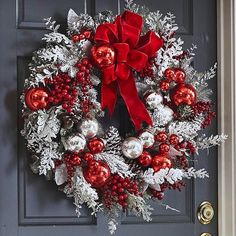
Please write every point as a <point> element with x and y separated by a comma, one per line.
<point>82,192</point>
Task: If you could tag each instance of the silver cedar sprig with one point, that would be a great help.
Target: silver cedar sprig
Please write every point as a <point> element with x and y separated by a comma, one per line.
<point>83,193</point>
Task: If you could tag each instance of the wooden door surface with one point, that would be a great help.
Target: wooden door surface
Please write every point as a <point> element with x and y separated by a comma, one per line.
<point>29,205</point>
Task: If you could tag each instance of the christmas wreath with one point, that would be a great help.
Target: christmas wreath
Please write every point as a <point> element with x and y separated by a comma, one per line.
<point>134,56</point>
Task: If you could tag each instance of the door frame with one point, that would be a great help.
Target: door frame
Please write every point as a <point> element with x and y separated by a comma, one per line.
<point>226,53</point>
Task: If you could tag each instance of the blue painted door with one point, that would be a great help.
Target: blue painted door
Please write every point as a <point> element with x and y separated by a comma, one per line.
<point>29,205</point>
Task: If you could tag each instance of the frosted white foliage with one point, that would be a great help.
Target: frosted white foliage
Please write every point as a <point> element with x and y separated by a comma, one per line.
<point>204,142</point>
<point>192,173</point>
<point>76,22</point>
<point>112,226</point>
<point>162,115</point>
<point>155,179</point>
<point>139,207</point>
<point>116,163</point>
<point>82,192</point>
<point>186,129</point>
<point>47,158</point>
<point>56,37</point>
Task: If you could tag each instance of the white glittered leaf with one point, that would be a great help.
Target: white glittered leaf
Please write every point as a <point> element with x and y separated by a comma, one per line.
<point>61,174</point>
<point>72,18</point>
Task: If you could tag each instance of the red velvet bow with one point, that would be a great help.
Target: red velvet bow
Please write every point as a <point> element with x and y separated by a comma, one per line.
<point>132,52</point>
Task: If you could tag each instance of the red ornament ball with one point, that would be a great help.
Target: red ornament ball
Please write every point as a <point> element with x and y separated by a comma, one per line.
<point>88,156</point>
<point>179,75</point>
<point>183,94</point>
<point>161,161</point>
<point>75,38</point>
<point>164,85</point>
<point>164,147</point>
<point>96,145</point>
<point>175,74</point>
<point>145,159</point>
<point>103,55</point>
<point>161,137</point>
<point>169,74</point>
<point>174,139</point>
<point>36,98</point>
<point>97,173</point>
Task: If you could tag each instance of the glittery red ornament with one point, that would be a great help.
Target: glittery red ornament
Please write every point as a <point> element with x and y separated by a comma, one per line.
<point>164,85</point>
<point>161,136</point>
<point>145,159</point>
<point>103,55</point>
<point>179,75</point>
<point>36,98</point>
<point>96,145</point>
<point>183,94</point>
<point>75,38</point>
<point>161,161</point>
<point>97,173</point>
<point>88,156</point>
<point>174,139</point>
<point>164,147</point>
<point>175,74</point>
<point>169,74</point>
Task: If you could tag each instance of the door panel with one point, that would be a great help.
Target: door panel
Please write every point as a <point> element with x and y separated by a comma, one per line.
<point>30,205</point>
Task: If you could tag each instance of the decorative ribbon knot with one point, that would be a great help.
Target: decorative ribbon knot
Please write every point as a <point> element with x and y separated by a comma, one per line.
<point>132,52</point>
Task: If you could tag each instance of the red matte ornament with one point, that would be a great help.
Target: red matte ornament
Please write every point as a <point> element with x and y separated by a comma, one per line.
<point>36,98</point>
<point>183,94</point>
<point>96,145</point>
<point>97,173</point>
<point>161,161</point>
<point>132,53</point>
<point>145,159</point>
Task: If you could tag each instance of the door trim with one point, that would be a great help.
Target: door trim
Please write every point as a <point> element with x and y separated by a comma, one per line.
<point>226,36</point>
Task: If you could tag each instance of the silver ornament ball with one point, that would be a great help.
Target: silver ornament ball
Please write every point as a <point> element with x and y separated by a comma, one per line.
<point>147,139</point>
<point>74,142</point>
<point>132,148</point>
<point>153,99</point>
<point>89,128</point>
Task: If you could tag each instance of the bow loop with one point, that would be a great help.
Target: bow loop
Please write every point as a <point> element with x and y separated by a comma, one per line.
<point>122,51</point>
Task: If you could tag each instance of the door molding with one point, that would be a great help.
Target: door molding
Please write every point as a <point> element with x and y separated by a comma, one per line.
<point>226,36</point>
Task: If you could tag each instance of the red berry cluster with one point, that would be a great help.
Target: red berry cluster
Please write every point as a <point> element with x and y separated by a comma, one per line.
<point>148,70</point>
<point>181,56</point>
<point>62,91</point>
<point>165,141</point>
<point>84,34</point>
<point>182,162</point>
<point>83,80</point>
<point>72,160</point>
<point>160,194</point>
<point>116,191</point>
<point>204,108</point>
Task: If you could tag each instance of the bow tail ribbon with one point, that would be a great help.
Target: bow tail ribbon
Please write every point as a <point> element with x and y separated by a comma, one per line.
<point>128,91</point>
<point>137,110</point>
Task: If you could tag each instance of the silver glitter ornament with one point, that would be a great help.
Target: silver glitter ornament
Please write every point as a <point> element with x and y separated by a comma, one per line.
<point>89,128</point>
<point>74,142</point>
<point>132,148</point>
<point>147,139</point>
<point>153,99</point>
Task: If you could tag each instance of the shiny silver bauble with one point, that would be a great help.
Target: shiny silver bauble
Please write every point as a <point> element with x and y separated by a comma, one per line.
<point>74,142</point>
<point>147,139</point>
<point>132,148</point>
<point>89,128</point>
